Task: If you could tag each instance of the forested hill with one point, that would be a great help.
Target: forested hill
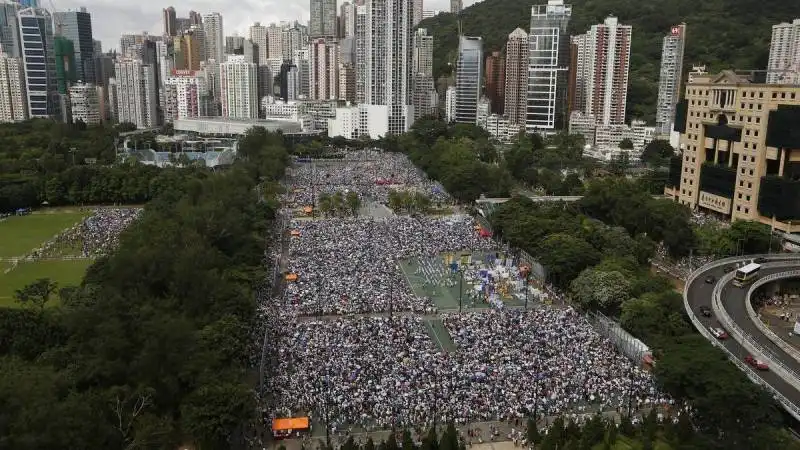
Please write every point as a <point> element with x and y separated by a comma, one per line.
<point>720,33</point>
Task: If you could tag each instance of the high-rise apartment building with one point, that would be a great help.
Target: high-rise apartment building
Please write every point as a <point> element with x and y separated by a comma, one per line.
<point>189,50</point>
<point>347,82</point>
<point>324,69</point>
<point>290,81</point>
<point>669,81</point>
<point>784,54</point>
<point>301,59</point>
<point>740,149</point>
<point>579,73</point>
<point>323,19</point>
<point>85,103</point>
<point>516,86</point>
<point>388,71</point>
<point>9,29</point>
<point>423,53</point>
<point>424,98</point>
<point>210,92</point>
<point>469,69</point>
<point>233,43</point>
<point>38,56</point>
<point>450,104</point>
<point>214,37</point>
<point>77,27</point>
<point>239,88</point>
<point>258,34</point>
<point>195,18</point>
<point>170,20</point>
<point>13,99</point>
<point>360,48</point>
<point>184,93</point>
<point>274,41</point>
<point>495,82</point>
<point>604,75</point>
<point>548,66</point>
<point>417,12</point>
<point>456,6</point>
<point>136,93</point>
<point>293,39</point>
<point>347,20</point>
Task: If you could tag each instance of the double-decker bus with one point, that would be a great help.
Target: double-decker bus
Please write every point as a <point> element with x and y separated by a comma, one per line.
<point>746,274</point>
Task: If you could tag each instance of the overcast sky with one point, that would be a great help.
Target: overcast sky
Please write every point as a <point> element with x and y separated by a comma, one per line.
<point>111,18</point>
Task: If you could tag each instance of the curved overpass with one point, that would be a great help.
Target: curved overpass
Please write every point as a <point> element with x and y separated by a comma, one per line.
<point>730,311</point>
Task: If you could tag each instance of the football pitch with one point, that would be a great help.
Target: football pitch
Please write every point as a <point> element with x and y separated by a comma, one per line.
<point>19,235</point>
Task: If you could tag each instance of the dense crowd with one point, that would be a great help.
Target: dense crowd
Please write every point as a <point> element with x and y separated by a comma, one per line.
<point>375,372</point>
<point>347,266</point>
<point>94,236</point>
<point>370,173</point>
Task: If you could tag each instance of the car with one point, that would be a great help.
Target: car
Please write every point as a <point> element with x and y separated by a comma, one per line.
<point>756,363</point>
<point>705,310</point>
<point>728,269</point>
<point>718,333</point>
<point>710,279</point>
<point>760,260</point>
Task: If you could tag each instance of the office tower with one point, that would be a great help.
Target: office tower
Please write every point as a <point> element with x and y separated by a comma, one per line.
<point>36,36</point>
<point>188,50</point>
<point>265,81</point>
<point>740,149</point>
<point>347,82</point>
<point>416,12</point>
<point>784,54</point>
<point>215,40</point>
<point>347,50</point>
<point>85,103</point>
<point>165,57</point>
<point>469,69</point>
<point>579,73</point>
<point>423,97</point>
<point>423,53</point>
<point>184,97</point>
<point>258,34</point>
<point>456,6</point>
<point>103,69</point>
<point>323,19</point>
<point>97,47</point>
<point>66,73</point>
<point>608,48</point>
<point>195,18</point>
<point>182,24</point>
<point>13,100</point>
<point>548,49</point>
<point>170,20</point>
<point>495,81</point>
<point>289,81</point>
<point>293,39</point>
<point>133,45</point>
<point>28,3</point>
<point>516,86</point>
<point>211,95</point>
<point>389,50</point>
<point>232,43</point>
<point>347,25</point>
<point>361,53</point>
<point>77,27</point>
<point>671,74</point>
<point>301,60</point>
<point>239,88</point>
<point>136,93</point>
<point>9,29</point>
<point>274,41</point>
<point>324,70</point>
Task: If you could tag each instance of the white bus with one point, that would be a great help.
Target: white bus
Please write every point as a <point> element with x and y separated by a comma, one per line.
<point>746,275</point>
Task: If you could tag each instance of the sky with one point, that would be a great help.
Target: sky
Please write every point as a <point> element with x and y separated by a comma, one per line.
<point>112,18</point>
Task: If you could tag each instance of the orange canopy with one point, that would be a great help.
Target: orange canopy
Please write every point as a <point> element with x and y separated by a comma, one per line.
<point>307,209</point>
<point>291,277</point>
<point>295,232</point>
<point>290,423</point>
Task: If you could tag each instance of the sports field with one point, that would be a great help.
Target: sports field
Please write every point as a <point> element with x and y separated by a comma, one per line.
<point>19,235</point>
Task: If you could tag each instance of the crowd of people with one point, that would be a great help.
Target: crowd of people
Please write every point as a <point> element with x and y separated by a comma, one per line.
<point>350,265</point>
<point>96,235</point>
<point>379,371</point>
<point>372,174</point>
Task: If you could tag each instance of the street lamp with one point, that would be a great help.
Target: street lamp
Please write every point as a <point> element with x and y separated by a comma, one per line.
<point>460,287</point>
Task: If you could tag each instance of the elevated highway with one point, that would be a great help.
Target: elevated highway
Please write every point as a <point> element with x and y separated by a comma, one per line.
<point>748,336</point>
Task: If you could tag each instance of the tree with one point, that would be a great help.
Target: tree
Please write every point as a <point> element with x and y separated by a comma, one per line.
<point>353,202</point>
<point>626,144</point>
<point>36,294</point>
<point>597,290</point>
<point>657,152</point>
<point>325,203</point>
<point>565,256</point>
<point>532,433</point>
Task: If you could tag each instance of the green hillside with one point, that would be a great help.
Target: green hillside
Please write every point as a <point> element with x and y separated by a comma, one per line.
<point>720,33</point>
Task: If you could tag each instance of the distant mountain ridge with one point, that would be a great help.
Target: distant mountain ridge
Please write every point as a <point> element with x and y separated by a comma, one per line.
<point>721,34</point>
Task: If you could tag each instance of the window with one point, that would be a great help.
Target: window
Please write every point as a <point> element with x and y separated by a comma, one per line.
<point>749,185</point>
<point>774,95</point>
<point>748,198</point>
<point>751,172</point>
<point>747,210</point>
<point>740,195</point>
<point>738,208</point>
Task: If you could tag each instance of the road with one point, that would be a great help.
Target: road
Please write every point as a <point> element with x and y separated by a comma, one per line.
<point>699,293</point>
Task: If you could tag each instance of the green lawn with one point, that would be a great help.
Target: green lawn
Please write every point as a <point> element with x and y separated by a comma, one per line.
<point>65,273</point>
<point>20,235</point>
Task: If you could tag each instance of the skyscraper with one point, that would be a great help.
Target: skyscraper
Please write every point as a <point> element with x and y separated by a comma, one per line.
<point>232,43</point>
<point>548,65</point>
<point>188,50</point>
<point>195,18</point>
<point>258,34</point>
<point>184,93</point>
<point>323,19</point>
<point>239,88</point>
<point>424,99</point>
<point>85,103</point>
<point>347,19</point>
<point>36,33</point>
<point>214,37</point>
<point>468,78</point>
<point>13,104</point>
<point>293,40</point>
<point>77,27</point>
<point>495,82</point>
<point>456,6</point>
<point>170,20</point>
<point>361,53</point>
<point>516,86</point>
<point>423,53</point>
<point>324,69</point>
<point>274,41</point>
<point>417,12</point>
<point>136,93</point>
<point>9,29</point>
<point>608,50</point>
<point>784,54</point>
<point>671,74</point>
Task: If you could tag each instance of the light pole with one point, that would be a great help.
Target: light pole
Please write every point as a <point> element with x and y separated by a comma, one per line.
<point>527,289</point>
<point>460,287</point>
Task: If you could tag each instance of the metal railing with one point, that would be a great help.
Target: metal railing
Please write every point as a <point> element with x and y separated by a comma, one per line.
<point>793,409</point>
<point>766,331</point>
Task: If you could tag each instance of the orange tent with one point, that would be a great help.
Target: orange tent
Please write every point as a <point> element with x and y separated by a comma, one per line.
<point>307,209</point>
<point>295,233</point>
<point>289,424</point>
<point>291,277</point>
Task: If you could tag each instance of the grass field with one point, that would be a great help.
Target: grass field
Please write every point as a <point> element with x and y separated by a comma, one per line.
<point>65,273</point>
<point>21,234</point>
